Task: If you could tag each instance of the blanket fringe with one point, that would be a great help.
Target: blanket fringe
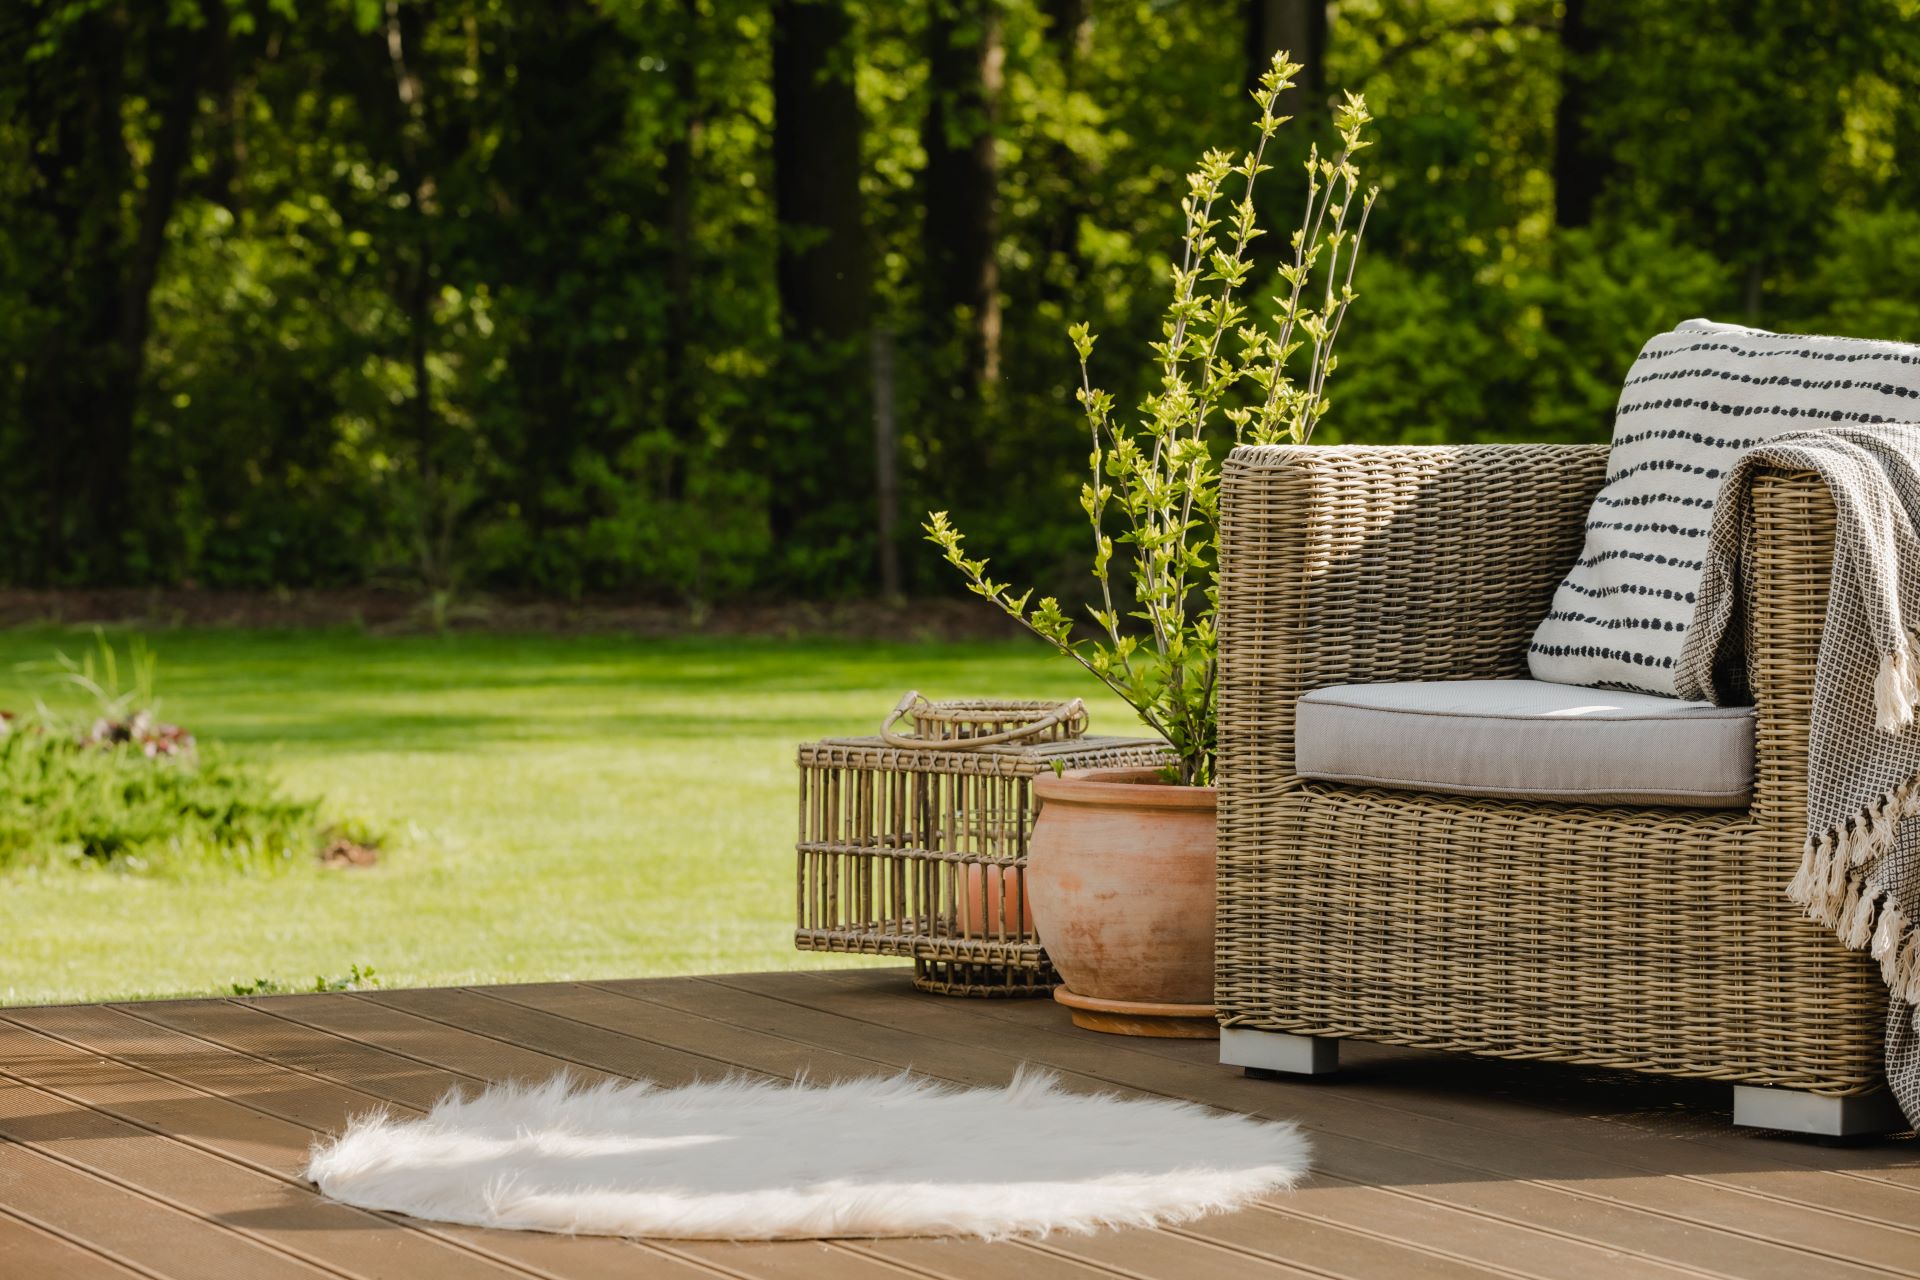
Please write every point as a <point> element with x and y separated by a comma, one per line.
<point>1910,965</point>
<point>1858,916</point>
<point>1896,690</point>
<point>1831,883</point>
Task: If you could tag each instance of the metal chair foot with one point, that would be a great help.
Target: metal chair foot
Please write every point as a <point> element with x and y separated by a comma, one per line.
<point>1757,1107</point>
<point>1274,1053</point>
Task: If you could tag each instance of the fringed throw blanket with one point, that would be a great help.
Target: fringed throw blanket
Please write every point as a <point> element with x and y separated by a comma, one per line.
<point>1860,874</point>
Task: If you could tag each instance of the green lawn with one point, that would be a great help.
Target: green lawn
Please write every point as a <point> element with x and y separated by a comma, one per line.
<point>555,807</point>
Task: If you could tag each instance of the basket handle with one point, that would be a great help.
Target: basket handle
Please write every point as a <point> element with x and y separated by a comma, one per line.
<point>1065,711</point>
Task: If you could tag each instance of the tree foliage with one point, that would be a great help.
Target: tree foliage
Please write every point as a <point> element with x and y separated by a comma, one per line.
<point>518,294</point>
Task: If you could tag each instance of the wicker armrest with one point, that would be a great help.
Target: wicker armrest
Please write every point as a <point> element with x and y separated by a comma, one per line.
<point>1349,565</point>
<point>1793,524</point>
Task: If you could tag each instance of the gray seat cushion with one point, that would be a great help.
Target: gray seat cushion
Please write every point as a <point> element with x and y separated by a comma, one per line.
<point>1528,739</point>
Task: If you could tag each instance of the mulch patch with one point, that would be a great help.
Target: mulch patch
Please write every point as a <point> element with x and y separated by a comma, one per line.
<point>342,854</point>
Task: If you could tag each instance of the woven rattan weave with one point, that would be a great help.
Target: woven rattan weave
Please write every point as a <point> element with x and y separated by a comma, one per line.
<point>1650,939</point>
<point>922,852</point>
<point>981,722</point>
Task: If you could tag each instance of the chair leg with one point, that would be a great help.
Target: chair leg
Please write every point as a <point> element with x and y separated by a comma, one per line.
<point>1794,1111</point>
<point>1277,1053</point>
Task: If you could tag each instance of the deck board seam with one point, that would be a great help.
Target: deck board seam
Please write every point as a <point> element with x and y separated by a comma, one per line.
<point>1591,1197</point>
<point>718,1061</point>
<point>134,1013</point>
<point>1259,1255</point>
<point>1600,1246</point>
<point>1483,1127</point>
<point>903,1267</point>
<point>365,1044</point>
<point>1432,1251</point>
<point>107,1255</point>
<point>520,1044</point>
<point>1523,1233</point>
<point>1555,1232</point>
<point>999,1011</point>
<point>1900,1228</point>
<point>412,1224</point>
<point>677,1250</point>
<point>930,1274</point>
<point>193,1144</point>
<point>166,1202</point>
<point>644,1246</point>
<point>1608,1249</point>
<point>1857,1176</point>
<point>715,1059</point>
<point>1055,1251</point>
<point>866,1248</point>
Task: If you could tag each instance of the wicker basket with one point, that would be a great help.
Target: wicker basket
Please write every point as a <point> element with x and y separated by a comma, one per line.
<point>917,846</point>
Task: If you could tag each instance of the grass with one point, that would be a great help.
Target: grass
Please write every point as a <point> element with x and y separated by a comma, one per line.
<point>554,807</point>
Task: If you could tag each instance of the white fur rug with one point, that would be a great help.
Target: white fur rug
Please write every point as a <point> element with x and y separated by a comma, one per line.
<point>741,1160</point>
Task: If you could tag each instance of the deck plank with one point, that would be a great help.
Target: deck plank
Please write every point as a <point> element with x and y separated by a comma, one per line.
<point>30,1250</point>
<point>891,1258</point>
<point>164,1140</point>
<point>123,1223</point>
<point>892,1048</point>
<point>264,1117</point>
<point>263,1208</point>
<point>1585,1106</point>
<point>1802,1205</point>
<point>464,1056</point>
<point>1148,1254</point>
<point>569,1041</point>
<point>1672,1127</point>
<point>1472,1164</point>
<point>970,1259</point>
<point>350,1066</point>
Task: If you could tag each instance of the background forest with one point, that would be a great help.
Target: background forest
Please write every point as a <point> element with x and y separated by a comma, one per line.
<point>703,298</point>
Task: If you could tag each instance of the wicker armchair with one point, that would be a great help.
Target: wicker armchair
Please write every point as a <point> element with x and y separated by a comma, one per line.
<point>1649,939</point>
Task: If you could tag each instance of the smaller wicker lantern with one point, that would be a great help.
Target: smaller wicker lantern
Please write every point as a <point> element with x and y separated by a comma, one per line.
<point>916,845</point>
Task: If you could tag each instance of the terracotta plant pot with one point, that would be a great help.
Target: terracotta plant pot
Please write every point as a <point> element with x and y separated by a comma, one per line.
<point>1120,878</point>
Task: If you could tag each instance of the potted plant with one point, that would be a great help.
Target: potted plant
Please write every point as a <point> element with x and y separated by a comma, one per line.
<point>1120,871</point>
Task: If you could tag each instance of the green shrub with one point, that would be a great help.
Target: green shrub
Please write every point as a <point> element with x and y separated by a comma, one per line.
<point>68,799</point>
<point>121,787</point>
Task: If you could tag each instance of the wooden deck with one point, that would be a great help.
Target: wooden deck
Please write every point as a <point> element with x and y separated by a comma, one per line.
<point>160,1140</point>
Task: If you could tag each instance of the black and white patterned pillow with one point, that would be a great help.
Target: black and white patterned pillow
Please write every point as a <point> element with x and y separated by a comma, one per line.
<point>1695,400</point>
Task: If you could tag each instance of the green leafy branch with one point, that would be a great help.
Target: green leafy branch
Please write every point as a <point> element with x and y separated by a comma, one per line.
<point>1155,480</point>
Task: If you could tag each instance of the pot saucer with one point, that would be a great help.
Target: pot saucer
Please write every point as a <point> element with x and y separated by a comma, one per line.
<point>1140,1017</point>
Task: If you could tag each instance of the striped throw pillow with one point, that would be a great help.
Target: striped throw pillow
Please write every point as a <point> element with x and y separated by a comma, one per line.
<point>1694,401</point>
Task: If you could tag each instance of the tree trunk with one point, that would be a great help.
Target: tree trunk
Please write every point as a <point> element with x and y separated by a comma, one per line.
<point>569,94</point>
<point>682,413</point>
<point>1069,33</point>
<point>1300,28</point>
<point>961,230</point>
<point>819,459</point>
<point>1579,174</point>
<point>432,531</point>
<point>886,489</point>
<point>82,395</point>
<point>824,274</point>
<point>109,481</point>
